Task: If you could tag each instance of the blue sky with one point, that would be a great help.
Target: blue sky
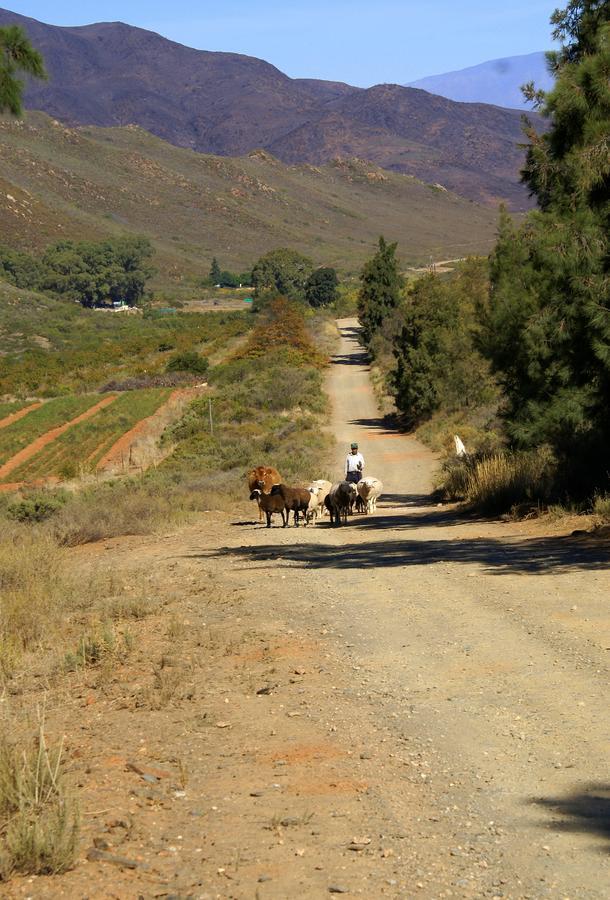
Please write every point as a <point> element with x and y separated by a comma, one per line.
<point>362,43</point>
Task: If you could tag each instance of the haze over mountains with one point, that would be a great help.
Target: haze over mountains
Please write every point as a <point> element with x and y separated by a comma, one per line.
<point>227,104</point>
<point>496,81</point>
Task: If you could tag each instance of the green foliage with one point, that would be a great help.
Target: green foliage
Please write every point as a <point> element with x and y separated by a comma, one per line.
<point>90,273</point>
<point>267,405</point>
<point>546,327</point>
<point>19,269</point>
<point>36,506</point>
<point>16,56</point>
<point>380,291</point>
<point>228,279</point>
<point>188,361</point>
<point>321,288</point>
<point>283,271</point>
<point>437,365</point>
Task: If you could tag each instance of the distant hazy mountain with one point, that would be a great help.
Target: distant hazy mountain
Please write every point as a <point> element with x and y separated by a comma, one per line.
<point>227,104</point>
<point>497,81</point>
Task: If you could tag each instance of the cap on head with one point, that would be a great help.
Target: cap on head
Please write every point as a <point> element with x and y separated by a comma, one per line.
<point>354,446</point>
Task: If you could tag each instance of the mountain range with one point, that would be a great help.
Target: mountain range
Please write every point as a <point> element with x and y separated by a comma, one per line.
<point>496,81</point>
<point>92,183</point>
<point>110,74</point>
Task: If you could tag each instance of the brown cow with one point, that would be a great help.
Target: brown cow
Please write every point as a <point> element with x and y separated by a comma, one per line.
<point>263,478</point>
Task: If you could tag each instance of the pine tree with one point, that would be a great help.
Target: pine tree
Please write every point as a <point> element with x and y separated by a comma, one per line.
<point>380,291</point>
<point>215,272</point>
<point>16,56</point>
<point>547,325</point>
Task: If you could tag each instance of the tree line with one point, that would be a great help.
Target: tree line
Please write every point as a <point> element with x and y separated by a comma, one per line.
<point>88,272</point>
<point>283,272</point>
<point>529,328</point>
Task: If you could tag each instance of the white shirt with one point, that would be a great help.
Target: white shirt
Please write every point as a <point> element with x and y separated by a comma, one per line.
<point>354,462</point>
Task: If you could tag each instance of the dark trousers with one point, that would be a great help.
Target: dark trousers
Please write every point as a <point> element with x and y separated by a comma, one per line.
<point>353,477</point>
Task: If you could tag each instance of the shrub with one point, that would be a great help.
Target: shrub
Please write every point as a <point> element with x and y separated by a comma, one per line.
<point>36,506</point>
<point>189,361</point>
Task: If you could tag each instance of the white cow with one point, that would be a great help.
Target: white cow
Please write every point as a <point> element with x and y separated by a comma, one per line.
<point>369,491</point>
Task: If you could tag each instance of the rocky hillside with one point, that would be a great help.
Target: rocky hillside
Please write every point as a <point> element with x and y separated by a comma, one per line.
<point>226,104</point>
<point>91,182</point>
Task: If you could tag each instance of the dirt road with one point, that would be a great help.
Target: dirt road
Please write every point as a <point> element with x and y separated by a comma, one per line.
<point>414,705</point>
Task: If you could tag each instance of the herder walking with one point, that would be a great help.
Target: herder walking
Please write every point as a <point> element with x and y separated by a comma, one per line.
<point>354,465</point>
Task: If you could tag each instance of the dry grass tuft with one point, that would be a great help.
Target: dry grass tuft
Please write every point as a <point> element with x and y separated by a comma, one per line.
<point>33,592</point>
<point>38,823</point>
<point>501,482</point>
<point>601,509</point>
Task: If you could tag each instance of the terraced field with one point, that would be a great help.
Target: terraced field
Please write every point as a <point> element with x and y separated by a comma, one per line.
<point>81,447</point>
<point>40,421</point>
<point>68,436</point>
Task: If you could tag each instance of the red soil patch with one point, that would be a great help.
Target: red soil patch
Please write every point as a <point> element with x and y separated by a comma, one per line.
<point>41,442</point>
<point>305,753</point>
<point>14,417</point>
<point>120,449</point>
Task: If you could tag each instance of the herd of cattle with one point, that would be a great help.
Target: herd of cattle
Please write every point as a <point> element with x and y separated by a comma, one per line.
<point>339,499</point>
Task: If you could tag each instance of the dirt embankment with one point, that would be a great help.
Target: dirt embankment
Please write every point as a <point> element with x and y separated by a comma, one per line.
<point>139,447</point>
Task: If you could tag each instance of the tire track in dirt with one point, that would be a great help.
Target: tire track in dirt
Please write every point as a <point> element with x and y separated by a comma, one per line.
<point>14,417</point>
<point>41,442</point>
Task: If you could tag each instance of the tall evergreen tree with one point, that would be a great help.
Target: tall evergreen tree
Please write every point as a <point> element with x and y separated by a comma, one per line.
<point>547,324</point>
<point>380,290</point>
<point>17,56</point>
<point>215,272</point>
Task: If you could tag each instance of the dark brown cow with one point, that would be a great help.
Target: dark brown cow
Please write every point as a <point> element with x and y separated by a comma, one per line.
<point>295,499</point>
<point>263,478</point>
<point>270,503</point>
